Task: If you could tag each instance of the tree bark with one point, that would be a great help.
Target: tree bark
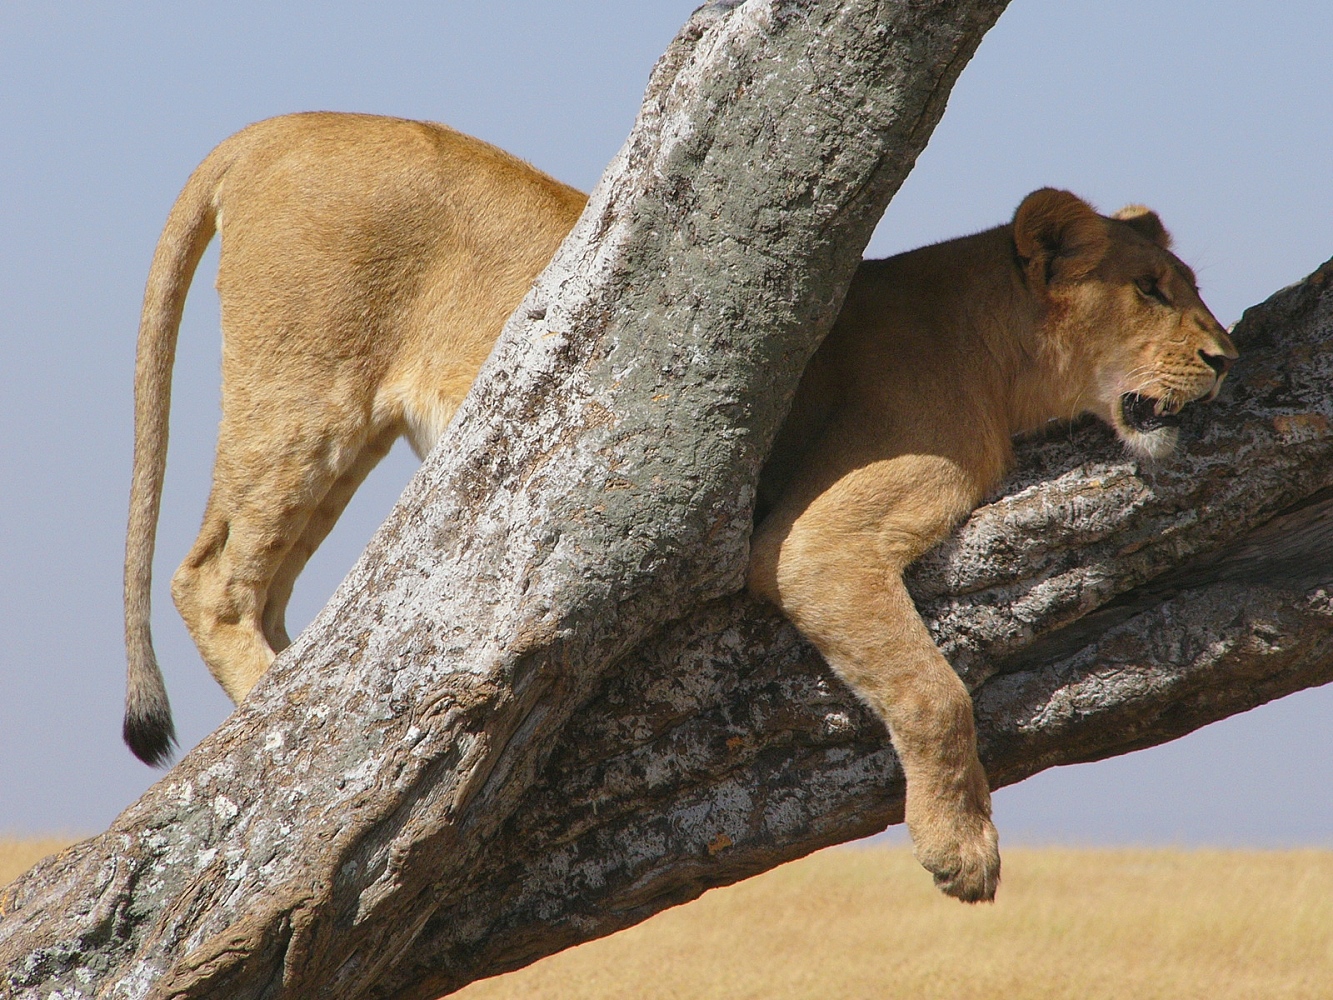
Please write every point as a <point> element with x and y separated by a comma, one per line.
<point>595,487</point>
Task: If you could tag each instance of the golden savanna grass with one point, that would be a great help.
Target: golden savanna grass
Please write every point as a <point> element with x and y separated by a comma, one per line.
<point>865,924</point>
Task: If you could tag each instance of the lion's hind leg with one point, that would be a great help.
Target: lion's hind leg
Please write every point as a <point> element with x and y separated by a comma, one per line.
<point>270,476</point>
<point>317,528</point>
<point>219,590</point>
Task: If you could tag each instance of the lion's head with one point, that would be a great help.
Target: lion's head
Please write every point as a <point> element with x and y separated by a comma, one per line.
<point>1125,314</point>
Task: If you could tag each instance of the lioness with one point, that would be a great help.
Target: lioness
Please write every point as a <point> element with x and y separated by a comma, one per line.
<point>903,421</point>
<point>367,266</point>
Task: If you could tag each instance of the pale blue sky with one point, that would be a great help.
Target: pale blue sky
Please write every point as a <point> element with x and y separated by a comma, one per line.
<point>1220,115</point>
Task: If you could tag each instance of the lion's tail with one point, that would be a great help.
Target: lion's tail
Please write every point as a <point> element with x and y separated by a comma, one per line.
<point>148,728</point>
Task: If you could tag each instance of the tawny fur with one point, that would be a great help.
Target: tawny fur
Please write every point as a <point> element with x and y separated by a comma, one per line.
<point>903,421</point>
<point>367,266</point>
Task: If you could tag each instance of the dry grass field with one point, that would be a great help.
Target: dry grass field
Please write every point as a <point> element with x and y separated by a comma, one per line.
<point>865,924</point>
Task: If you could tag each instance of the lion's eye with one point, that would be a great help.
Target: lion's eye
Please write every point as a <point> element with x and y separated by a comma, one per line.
<point>1149,288</point>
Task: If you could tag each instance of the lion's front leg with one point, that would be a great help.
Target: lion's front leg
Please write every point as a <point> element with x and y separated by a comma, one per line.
<point>877,643</point>
<point>856,611</point>
<point>929,715</point>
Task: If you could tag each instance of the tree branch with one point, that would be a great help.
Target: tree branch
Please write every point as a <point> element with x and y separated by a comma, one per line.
<point>724,746</point>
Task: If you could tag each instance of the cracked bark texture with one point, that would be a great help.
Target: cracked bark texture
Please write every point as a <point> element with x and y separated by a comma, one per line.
<point>596,486</point>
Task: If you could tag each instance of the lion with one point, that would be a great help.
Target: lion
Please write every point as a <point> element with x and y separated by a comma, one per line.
<point>904,420</point>
<point>368,265</point>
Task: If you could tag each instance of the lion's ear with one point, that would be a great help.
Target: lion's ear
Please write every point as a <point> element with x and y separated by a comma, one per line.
<point>1059,237</point>
<point>1146,223</point>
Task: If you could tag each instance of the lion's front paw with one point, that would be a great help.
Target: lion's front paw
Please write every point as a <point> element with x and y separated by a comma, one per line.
<point>965,867</point>
<point>955,840</point>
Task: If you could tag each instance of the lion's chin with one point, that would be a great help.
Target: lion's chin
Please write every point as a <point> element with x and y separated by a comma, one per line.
<point>1157,443</point>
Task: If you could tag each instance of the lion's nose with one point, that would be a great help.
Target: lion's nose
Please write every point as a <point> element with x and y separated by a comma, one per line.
<point>1219,363</point>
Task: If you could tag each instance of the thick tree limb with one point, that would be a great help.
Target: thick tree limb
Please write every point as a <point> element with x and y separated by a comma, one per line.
<point>724,745</point>
<point>595,487</point>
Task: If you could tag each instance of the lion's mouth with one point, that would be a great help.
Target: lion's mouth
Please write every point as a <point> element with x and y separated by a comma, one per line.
<point>1145,414</point>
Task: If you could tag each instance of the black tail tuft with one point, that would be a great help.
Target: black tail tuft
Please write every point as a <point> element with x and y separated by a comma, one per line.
<point>151,735</point>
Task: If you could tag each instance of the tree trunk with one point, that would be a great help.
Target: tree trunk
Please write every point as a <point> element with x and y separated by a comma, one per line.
<point>595,487</point>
